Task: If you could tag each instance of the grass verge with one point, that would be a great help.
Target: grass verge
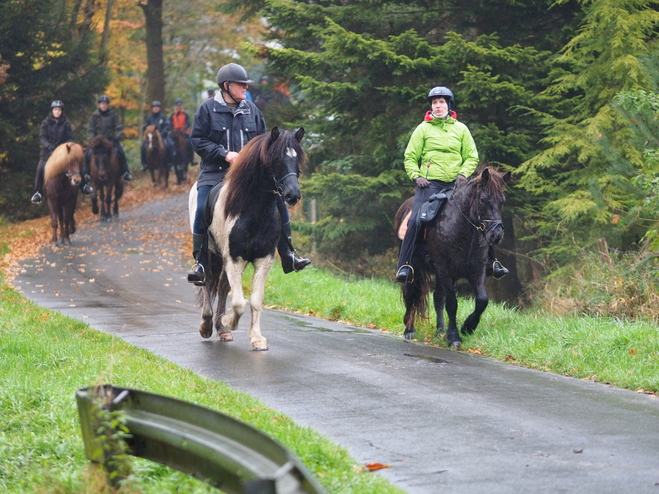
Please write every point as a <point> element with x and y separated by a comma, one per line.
<point>624,354</point>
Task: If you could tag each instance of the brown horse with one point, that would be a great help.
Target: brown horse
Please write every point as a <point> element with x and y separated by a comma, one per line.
<point>61,182</point>
<point>155,153</point>
<point>183,155</point>
<point>106,179</point>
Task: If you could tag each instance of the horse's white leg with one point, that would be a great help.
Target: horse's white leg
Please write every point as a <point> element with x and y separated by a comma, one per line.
<point>261,269</point>
<point>234,272</point>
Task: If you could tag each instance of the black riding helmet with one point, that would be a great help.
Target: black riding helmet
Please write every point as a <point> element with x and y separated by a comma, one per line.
<point>444,92</point>
<point>156,103</point>
<point>232,72</point>
<point>57,104</point>
<point>103,97</point>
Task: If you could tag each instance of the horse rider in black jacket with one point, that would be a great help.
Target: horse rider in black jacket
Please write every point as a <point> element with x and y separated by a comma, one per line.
<point>222,126</point>
<point>105,122</point>
<point>55,130</point>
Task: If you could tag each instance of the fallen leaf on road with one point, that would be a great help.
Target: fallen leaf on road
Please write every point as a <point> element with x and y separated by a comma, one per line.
<point>372,467</point>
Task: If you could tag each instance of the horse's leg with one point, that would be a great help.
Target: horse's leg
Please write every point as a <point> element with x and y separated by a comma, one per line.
<point>108,202</point>
<point>440,301</point>
<point>95,200</point>
<point>63,226</point>
<point>206,326</point>
<point>52,208</point>
<point>410,295</point>
<point>118,191</point>
<point>261,269</point>
<point>223,333</point>
<point>234,273</point>
<point>452,336</point>
<point>482,300</point>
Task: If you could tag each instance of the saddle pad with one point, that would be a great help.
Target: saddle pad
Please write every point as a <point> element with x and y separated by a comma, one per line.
<point>402,229</point>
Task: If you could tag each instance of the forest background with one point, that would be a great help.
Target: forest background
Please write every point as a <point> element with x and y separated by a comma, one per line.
<point>561,93</point>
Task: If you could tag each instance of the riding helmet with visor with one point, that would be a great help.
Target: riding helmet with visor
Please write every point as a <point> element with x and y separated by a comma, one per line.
<point>232,72</point>
<point>57,104</point>
<point>103,98</point>
<point>444,92</point>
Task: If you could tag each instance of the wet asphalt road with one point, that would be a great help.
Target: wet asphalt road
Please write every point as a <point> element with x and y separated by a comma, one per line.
<point>444,421</point>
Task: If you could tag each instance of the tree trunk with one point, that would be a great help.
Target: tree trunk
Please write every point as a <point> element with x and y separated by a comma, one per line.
<point>155,73</point>
<point>106,26</point>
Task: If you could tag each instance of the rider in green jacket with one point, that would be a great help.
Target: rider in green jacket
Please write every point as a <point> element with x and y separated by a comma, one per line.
<point>440,152</point>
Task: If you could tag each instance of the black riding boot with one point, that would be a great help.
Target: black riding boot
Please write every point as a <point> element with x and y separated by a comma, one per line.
<point>494,266</point>
<point>289,260</point>
<point>197,274</point>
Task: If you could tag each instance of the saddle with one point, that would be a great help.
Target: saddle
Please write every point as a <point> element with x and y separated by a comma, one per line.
<point>429,210</point>
<point>210,203</point>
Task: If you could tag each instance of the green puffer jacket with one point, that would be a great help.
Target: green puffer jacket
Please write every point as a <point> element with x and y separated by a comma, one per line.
<point>447,145</point>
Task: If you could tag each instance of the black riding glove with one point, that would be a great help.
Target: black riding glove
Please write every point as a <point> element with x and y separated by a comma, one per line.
<point>421,182</point>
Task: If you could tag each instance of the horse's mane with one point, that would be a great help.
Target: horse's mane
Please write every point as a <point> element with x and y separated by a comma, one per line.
<point>100,142</point>
<point>250,173</point>
<point>496,183</point>
<point>62,157</point>
<point>154,130</point>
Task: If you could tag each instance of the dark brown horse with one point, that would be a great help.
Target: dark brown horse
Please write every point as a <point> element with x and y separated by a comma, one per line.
<point>61,182</point>
<point>456,247</point>
<point>106,179</point>
<point>183,155</point>
<point>155,154</point>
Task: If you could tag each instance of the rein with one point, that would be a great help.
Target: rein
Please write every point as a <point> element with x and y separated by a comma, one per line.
<point>484,225</point>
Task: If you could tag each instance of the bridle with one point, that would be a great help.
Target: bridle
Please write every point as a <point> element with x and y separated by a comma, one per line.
<point>483,225</point>
<point>278,182</point>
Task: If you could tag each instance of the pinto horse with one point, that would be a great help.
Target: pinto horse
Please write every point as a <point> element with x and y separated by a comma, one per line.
<point>61,182</point>
<point>456,247</point>
<point>245,228</point>
<point>106,179</point>
<point>183,155</point>
<point>155,154</point>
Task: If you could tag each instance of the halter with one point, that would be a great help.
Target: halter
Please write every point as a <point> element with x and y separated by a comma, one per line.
<point>484,225</point>
<point>278,190</point>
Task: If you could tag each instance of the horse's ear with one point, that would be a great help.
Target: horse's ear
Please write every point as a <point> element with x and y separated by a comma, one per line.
<point>274,134</point>
<point>507,176</point>
<point>485,177</point>
<point>69,145</point>
<point>299,134</point>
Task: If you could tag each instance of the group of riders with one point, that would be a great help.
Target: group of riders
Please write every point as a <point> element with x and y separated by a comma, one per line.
<point>105,122</point>
<point>440,154</point>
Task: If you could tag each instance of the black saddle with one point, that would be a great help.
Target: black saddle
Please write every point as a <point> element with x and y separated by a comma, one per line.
<point>432,207</point>
<point>210,203</point>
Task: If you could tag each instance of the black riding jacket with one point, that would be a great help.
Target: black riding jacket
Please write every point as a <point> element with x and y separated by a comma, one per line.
<point>53,132</point>
<point>217,130</point>
<point>161,122</point>
<point>106,124</point>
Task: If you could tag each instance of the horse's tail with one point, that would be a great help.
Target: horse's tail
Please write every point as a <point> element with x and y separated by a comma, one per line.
<point>416,293</point>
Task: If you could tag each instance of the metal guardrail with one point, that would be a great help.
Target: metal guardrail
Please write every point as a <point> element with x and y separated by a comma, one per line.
<point>211,446</point>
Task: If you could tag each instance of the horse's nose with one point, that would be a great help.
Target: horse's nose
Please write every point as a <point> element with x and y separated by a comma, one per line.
<point>292,198</point>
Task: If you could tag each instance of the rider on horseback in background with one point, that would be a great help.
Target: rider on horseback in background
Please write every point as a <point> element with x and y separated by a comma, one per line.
<point>180,121</point>
<point>105,122</point>
<point>55,130</point>
<point>222,126</point>
<point>440,153</point>
<point>160,120</point>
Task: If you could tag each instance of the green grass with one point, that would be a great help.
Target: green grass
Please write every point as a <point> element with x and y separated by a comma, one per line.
<point>625,354</point>
<point>46,357</point>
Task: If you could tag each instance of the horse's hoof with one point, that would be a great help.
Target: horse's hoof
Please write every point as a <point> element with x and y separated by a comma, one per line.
<point>259,346</point>
<point>227,336</point>
<point>206,329</point>
<point>410,335</point>
<point>455,344</point>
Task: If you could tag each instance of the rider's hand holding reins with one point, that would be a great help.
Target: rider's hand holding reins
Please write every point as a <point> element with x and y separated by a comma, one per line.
<point>422,183</point>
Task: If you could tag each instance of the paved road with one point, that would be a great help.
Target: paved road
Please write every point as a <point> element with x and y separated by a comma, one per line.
<point>445,421</point>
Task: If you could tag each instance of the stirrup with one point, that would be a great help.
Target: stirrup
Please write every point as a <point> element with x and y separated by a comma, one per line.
<point>498,270</point>
<point>197,275</point>
<point>404,278</point>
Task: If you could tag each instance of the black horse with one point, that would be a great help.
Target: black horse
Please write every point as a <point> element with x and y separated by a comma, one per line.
<point>455,247</point>
<point>245,228</point>
<point>183,155</point>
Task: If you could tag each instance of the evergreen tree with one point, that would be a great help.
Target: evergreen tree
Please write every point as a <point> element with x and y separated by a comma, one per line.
<point>46,54</point>
<point>582,177</point>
